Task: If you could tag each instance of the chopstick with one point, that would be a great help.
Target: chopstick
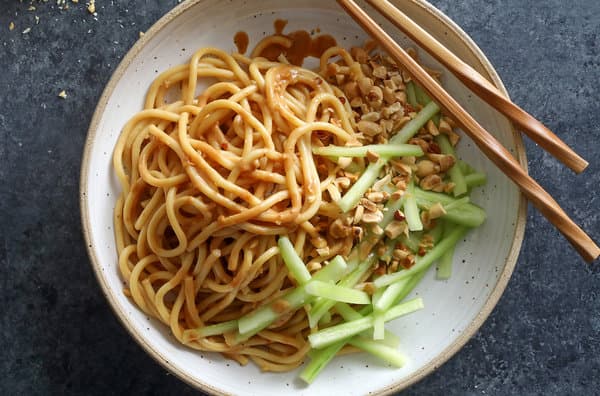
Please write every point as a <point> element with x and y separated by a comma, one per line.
<point>497,153</point>
<point>482,87</point>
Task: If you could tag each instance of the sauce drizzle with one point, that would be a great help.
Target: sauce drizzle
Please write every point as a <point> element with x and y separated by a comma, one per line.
<point>241,41</point>
<point>303,44</point>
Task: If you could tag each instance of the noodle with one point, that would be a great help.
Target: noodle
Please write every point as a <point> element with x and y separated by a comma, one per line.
<point>215,168</point>
<point>210,180</point>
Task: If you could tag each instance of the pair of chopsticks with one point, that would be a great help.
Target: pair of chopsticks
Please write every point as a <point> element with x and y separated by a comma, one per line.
<point>497,153</point>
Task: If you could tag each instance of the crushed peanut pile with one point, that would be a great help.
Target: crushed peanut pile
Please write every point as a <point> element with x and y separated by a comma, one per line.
<point>380,108</point>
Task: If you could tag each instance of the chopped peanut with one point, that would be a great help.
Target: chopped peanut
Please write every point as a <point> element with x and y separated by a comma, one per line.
<point>380,72</point>
<point>369,205</point>
<point>400,254</point>
<point>369,128</point>
<point>430,182</point>
<point>376,196</point>
<point>444,127</point>
<point>376,230</point>
<point>372,156</point>
<point>395,229</point>
<point>426,168</point>
<point>432,129</point>
<point>357,232</point>
<point>373,116</point>
<point>364,85</point>
<point>358,214</point>
<point>344,162</point>
<point>436,211</point>
<point>318,242</point>
<point>372,217</point>
<point>339,230</point>
<point>342,182</point>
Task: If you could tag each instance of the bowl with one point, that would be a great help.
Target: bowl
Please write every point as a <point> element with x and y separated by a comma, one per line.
<point>454,309</point>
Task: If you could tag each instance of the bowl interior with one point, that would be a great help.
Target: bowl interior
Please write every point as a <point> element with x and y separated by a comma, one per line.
<point>454,308</point>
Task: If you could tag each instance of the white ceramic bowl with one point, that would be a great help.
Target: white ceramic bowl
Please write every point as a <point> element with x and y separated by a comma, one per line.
<point>455,309</point>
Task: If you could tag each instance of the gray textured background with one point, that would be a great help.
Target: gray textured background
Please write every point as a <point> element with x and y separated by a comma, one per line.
<point>58,335</point>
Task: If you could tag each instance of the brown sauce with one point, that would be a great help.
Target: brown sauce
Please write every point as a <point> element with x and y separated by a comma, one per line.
<point>241,41</point>
<point>279,25</point>
<point>320,44</point>
<point>303,44</point>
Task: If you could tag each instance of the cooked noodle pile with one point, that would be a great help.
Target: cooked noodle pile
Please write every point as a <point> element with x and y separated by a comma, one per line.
<point>211,178</point>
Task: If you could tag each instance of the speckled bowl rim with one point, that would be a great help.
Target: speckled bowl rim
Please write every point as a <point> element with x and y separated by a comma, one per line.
<point>419,374</point>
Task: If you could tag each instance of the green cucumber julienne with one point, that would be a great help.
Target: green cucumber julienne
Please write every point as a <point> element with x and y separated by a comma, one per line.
<point>330,335</point>
<point>384,150</point>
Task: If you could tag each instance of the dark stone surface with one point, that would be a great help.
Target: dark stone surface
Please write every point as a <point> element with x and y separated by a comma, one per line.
<point>58,335</point>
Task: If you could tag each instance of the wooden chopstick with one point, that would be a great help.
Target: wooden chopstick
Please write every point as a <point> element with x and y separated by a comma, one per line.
<point>497,153</point>
<point>482,87</point>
